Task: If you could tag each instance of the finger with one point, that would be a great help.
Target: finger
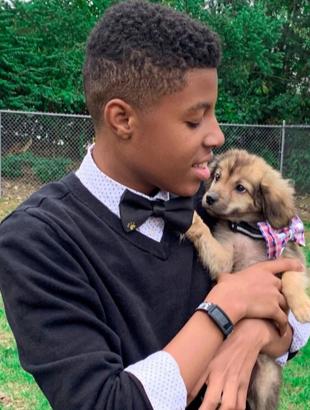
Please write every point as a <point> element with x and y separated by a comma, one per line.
<point>281,321</point>
<point>277,283</point>
<point>212,397</point>
<point>283,303</point>
<point>283,264</point>
<point>242,396</point>
<point>230,394</point>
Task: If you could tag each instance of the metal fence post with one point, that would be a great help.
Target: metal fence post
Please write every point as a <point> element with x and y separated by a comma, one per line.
<point>282,146</point>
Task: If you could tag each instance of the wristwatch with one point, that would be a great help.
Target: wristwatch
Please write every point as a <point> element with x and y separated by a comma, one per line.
<point>218,316</point>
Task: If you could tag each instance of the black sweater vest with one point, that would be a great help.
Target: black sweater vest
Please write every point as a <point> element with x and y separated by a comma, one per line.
<point>85,299</point>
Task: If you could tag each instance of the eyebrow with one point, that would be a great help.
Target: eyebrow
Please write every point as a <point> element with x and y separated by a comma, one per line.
<point>198,106</point>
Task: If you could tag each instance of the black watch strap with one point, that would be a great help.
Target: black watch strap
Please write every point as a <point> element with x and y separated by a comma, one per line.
<point>218,316</point>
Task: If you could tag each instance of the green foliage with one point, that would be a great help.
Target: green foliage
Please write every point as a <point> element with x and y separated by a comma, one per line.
<point>297,158</point>
<point>264,74</point>
<point>297,169</point>
<point>45,169</point>
<point>263,77</point>
<point>289,96</point>
<point>41,53</point>
<point>11,166</point>
<point>249,38</point>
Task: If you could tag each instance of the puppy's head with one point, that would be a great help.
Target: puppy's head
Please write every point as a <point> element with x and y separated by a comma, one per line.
<point>243,187</point>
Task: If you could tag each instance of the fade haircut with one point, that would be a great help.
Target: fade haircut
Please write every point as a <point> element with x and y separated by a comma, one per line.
<point>140,51</point>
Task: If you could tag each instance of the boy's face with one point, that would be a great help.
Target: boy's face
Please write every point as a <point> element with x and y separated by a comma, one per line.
<point>173,141</point>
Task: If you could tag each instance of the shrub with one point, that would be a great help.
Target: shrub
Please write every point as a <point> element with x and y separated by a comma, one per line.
<point>11,166</point>
<point>47,170</point>
<point>296,167</point>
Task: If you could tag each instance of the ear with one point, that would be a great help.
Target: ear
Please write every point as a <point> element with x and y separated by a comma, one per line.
<point>212,165</point>
<point>119,117</point>
<point>277,197</point>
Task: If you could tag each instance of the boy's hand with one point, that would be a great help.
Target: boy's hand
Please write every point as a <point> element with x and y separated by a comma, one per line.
<point>229,372</point>
<point>255,292</point>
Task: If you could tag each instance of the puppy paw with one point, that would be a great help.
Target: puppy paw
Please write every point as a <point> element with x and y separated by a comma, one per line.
<point>301,309</point>
<point>197,229</point>
<point>197,221</point>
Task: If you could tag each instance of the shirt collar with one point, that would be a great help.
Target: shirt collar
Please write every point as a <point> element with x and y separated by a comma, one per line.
<point>105,189</point>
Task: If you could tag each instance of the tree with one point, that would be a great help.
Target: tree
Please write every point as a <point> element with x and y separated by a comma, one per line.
<point>264,74</point>
<point>249,37</point>
<point>263,77</point>
<point>289,98</point>
<point>41,53</point>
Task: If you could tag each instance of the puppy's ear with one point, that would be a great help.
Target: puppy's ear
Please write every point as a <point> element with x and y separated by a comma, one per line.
<point>212,165</point>
<point>277,199</point>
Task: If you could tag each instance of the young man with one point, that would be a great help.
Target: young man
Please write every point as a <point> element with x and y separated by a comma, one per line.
<point>103,307</point>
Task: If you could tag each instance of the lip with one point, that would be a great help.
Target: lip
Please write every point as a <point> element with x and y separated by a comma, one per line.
<point>204,161</point>
<point>201,165</point>
<point>201,170</point>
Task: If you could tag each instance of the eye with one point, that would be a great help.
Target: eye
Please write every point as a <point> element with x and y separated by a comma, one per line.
<point>240,188</point>
<point>217,176</point>
<point>192,125</point>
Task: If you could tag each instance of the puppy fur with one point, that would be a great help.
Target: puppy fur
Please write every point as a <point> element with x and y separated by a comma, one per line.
<point>243,187</point>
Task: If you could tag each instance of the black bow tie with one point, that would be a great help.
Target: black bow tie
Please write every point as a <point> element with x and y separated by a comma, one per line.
<point>135,210</point>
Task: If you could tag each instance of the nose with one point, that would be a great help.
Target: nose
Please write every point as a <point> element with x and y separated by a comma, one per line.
<point>214,136</point>
<point>211,198</point>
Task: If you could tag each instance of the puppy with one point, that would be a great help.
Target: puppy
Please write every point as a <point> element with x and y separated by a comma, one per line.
<point>254,207</point>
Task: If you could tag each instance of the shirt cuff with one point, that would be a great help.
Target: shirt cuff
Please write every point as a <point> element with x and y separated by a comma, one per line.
<point>161,379</point>
<point>301,334</point>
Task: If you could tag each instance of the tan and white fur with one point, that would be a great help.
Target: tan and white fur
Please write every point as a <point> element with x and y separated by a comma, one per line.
<point>243,187</point>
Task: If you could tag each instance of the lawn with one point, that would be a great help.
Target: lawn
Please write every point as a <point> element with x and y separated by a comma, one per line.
<point>7,206</point>
<point>18,390</point>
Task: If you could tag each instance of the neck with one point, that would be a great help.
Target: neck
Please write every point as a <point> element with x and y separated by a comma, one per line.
<point>110,163</point>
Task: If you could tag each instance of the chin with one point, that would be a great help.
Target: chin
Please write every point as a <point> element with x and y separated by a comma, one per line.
<point>190,190</point>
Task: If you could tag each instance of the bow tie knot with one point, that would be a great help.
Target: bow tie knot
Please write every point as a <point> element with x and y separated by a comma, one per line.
<point>277,239</point>
<point>158,208</point>
<point>135,210</point>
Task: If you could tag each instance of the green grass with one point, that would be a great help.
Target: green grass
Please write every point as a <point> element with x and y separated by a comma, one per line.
<point>18,390</point>
<point>295,392</point>
<point>7,206</point>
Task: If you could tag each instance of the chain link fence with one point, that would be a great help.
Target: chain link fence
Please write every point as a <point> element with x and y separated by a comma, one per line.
<point>285,147</point>
<point>40,147</point>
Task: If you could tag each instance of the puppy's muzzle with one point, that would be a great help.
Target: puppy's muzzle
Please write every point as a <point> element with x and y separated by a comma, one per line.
<point>211,197</point>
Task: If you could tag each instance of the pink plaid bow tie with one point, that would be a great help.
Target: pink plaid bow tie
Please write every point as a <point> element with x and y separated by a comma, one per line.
<point>276,239</point>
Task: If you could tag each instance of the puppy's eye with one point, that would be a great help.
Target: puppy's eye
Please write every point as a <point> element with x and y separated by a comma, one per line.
<point>217,176</point>
<point>240,188</point>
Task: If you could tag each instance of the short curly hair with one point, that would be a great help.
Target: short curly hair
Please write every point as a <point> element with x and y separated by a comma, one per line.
<point>140,51</point>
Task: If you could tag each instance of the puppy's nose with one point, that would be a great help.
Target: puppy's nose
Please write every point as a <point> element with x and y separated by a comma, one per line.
<point>211,198</point>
